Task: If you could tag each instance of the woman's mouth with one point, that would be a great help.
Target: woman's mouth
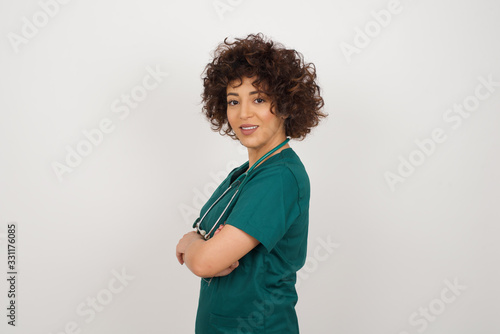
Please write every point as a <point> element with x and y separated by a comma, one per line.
<point>247,129</point>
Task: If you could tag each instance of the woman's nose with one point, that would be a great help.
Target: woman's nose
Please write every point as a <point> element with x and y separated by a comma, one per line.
<point>246,110</point>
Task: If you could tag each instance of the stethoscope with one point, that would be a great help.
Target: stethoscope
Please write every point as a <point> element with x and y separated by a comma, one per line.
<point>238,183</point>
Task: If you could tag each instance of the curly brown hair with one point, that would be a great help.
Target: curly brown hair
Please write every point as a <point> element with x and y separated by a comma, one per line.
<point>281,73</point>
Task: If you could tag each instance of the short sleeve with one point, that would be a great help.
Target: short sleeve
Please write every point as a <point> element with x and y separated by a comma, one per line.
<point>267,205</point>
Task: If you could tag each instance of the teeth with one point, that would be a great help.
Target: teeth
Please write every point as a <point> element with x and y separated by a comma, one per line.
<point>249,128</point>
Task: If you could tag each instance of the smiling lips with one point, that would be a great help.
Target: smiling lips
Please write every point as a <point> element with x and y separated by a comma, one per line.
<point>248,129</point>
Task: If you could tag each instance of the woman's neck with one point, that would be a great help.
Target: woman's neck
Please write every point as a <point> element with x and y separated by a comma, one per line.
<point>254,155</point>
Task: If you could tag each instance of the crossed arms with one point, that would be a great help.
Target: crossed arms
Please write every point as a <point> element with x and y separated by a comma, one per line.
<point>217,256</point>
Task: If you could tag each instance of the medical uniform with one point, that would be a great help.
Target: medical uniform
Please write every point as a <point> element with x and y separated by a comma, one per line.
<point>259,296</point>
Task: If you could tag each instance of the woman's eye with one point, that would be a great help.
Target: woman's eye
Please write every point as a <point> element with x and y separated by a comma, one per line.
<point>259,100</point>
<point>231,103</point>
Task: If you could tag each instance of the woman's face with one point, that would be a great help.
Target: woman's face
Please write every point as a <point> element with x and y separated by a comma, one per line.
<point>250,117</point>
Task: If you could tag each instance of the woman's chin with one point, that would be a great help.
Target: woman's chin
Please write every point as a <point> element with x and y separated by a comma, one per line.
<point>247,142</point>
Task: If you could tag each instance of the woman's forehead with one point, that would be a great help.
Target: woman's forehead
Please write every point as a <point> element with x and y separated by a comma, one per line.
<point>235,83</point>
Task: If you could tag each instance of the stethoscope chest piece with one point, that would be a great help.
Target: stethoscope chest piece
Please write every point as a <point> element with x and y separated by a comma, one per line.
<point>202,232</point>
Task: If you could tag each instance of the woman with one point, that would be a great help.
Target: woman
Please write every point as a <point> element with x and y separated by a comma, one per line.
<point>251,236</point>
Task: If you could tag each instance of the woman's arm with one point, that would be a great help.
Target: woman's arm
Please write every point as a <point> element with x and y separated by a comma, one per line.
<point>218,254</point>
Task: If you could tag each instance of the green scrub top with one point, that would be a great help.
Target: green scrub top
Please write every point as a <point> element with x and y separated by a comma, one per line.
<point>259,296</point>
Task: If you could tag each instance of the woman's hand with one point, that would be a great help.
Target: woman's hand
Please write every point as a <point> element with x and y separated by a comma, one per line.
<point>184,243</point>
<point>227,271</point>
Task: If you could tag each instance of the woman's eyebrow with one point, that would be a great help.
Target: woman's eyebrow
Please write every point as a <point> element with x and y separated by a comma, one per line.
<point>236,94</point>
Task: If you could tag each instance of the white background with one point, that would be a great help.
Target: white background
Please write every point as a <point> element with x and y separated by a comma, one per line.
<point>123,207</point>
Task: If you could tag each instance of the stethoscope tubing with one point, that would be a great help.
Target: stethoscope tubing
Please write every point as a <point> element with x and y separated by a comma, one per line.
<point>239,184</point>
